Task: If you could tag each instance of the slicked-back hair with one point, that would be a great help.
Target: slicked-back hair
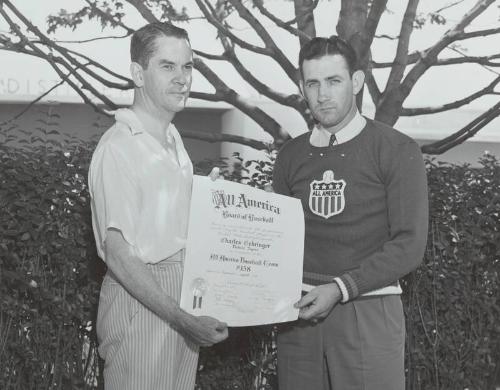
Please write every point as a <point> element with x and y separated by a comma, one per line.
<point>143,43</point>
<point>321,46</point>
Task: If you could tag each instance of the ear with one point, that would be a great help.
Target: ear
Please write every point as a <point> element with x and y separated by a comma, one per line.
<point>358,79</point>
<point>137,74</point>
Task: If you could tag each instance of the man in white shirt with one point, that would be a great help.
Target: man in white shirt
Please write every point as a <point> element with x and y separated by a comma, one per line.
<point>140,184</point>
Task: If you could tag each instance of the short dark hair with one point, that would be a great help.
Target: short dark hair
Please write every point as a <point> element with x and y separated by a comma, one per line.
<point>321,46</point>
<point>143,43</point>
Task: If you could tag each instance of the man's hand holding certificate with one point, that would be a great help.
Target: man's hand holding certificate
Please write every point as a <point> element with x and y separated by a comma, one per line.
<point>244,254</point>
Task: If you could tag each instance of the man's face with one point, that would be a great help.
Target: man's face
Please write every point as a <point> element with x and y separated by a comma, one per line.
<point>166,81</point>
<point>329,88</point>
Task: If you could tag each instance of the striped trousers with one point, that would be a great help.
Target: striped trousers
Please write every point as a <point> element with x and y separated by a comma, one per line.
<point>140,350</point>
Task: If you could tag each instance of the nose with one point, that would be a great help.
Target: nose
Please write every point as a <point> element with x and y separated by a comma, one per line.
<point>324,93</point>
<point>180,78</point>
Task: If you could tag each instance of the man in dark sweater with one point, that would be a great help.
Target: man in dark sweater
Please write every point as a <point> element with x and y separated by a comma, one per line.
<point>364,192</point>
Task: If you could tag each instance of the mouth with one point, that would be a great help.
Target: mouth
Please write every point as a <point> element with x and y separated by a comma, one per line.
<point>179,95</point>
<point>327,108</point>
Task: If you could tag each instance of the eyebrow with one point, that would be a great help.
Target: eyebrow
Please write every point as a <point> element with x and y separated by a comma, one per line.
<point>168,62</point>
<point>334,76</point>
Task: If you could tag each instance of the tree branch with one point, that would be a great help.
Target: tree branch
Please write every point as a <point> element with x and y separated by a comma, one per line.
<point>373,88</point>
<point>463,134</point>
<point>279,22</point>
<point>222,137</point>
<point>295,101</point>
<point>376,10</point>
<point>399,66</point>
<point>489,89</point>
<point>226,32</point>
<point>112,20</point>
<point>478,33</point>
<point>413,58</point>
<point>304,13</point>
<point>53,60</point>
<point>429,57</point>
<point>208,56</point>
<point>224,93</point>
<point>32,103</point>
<point>276,52</point>
<point>140,5</point>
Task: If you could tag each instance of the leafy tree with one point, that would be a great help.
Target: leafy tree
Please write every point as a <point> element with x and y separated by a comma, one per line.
<point>357,22</point>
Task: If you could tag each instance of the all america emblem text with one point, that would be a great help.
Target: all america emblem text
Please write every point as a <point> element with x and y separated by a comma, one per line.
<point>326,196</point>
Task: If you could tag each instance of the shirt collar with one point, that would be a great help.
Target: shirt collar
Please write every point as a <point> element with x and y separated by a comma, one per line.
<point>320,137</point>
<point>132,121</point>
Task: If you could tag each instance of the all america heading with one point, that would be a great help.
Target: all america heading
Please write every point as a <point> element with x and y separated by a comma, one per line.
<point>222,200</point>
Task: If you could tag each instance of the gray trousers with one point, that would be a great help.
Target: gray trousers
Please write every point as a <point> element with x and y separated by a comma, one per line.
<point>359,346</point>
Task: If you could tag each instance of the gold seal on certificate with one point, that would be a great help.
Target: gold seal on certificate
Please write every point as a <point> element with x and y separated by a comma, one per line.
<point>244,254</point>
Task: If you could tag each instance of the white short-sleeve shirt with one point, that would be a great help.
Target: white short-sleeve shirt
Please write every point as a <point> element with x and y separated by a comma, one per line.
<point>138,188</point>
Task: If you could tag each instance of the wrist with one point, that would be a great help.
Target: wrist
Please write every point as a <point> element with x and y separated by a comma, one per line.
<point>344,294</point>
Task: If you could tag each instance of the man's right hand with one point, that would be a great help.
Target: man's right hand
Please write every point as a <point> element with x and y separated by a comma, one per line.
<point>203,330</point>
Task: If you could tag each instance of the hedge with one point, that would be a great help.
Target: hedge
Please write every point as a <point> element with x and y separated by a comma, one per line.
<point>50,275</point>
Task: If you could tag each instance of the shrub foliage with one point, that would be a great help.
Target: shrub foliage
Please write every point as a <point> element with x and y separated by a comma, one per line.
<point>50,275</point>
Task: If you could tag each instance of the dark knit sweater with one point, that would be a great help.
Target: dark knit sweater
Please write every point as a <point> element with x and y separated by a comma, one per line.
<point>365,220</point>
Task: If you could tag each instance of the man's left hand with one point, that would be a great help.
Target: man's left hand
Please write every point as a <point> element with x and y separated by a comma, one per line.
<point>319,302</point>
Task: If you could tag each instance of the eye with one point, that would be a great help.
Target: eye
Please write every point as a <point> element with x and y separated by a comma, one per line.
<point>334,81</point>
<point>311,84</point>
<point>168,67</point>
<point>188,66</point>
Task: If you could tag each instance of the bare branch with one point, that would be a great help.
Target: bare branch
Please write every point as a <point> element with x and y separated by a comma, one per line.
<point>32,103</point>
<point>279,22</point>
<point>429,57</point>
<point>261,31</point>
<point>93,39</point>
<point>304,13</point>
<point>224,93</point>
<point>51,59</point>
<point>372,21</point>
<point>477,33</point>
<point>218,137</point>
<point>373,88</point>
<point>448,6</point>
<point>481,60</point>
<point>489,89</point>
<point>226,32</point>
<point>398,69</point>
<point>208,56</point>
<point>463,134</point>
<point>103,68</point>
<point>294,100</point>
<point>140,5</point>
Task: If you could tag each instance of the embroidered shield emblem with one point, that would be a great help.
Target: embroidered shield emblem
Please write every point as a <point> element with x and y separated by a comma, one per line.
<point>326,197</point>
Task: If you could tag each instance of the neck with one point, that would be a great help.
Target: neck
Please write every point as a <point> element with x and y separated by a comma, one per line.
<point>345,121</point>
<point>154,120</point>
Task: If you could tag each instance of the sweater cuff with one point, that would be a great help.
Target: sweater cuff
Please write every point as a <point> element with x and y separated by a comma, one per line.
<point>343,289</point>
<point>350,286</point>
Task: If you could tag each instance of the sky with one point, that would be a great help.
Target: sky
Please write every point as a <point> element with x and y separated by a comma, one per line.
<point>24,77</point>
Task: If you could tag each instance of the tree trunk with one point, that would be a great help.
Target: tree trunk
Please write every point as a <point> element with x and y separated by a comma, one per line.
<point>350,27</point>
<point>305,19</point>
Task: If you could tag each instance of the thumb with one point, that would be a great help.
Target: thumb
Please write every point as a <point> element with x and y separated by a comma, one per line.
<point>305,301</point>
<point>215,173</point>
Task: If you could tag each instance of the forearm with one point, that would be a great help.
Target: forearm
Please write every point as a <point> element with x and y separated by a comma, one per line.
<point>137,279</point>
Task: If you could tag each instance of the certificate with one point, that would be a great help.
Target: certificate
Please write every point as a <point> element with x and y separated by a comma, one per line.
<point>244,254</point>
